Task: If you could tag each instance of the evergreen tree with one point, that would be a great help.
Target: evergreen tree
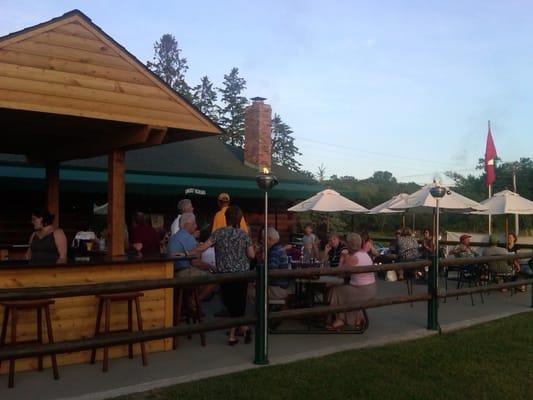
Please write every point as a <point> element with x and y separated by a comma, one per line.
<point>169,65</point>
<point>284,151</point>
<point>205,97</point>
<point>233,106</point>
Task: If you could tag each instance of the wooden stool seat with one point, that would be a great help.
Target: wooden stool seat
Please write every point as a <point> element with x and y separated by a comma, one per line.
<point>22,304</point>
<point>105,300</point>
<point>121,296</point>
<point>12,307</point>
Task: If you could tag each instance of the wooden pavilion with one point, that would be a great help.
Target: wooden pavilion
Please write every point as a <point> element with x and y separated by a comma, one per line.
<point>69,91</point>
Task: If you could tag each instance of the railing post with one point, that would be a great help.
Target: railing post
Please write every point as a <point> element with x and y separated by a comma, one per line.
<point>433,303</point>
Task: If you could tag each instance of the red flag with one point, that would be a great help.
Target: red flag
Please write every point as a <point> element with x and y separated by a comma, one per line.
<point>490,157</point>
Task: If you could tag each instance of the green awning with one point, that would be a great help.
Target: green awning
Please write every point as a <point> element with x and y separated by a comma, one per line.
<point>16,177</point>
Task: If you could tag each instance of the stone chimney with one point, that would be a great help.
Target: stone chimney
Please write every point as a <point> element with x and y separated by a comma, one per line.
<point>257,139</point>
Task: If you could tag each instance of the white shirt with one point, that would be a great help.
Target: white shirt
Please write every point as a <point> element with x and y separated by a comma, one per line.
<point>175,227</point>
<point>208,257</point>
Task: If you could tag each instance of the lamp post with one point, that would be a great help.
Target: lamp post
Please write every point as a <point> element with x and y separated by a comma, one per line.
<point>437,192</point>
<point>265,181</point>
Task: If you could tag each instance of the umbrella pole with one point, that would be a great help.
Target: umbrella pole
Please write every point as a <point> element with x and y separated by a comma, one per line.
<point>403,220</point>
<point>506,231</point>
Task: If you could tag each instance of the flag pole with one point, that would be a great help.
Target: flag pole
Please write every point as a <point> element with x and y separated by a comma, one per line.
<point>490,215</point>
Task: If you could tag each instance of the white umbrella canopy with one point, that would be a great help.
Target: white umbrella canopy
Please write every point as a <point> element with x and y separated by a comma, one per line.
<point>328,201</point>
<point>422,201</point>
<point>507,202</point>
<point>385,208</point>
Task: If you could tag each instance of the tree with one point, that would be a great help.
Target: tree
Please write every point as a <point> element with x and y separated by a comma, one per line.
<point>233,107</point>
<point>169,65</point>
<point>284,151</point>
<point>205,97</point>
<point>321,173</point>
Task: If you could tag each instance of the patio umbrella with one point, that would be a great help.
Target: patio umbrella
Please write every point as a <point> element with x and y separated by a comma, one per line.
<point>504,203</point>
<point>329,201</point>
<point>422,201</point>
<point>384,208</point>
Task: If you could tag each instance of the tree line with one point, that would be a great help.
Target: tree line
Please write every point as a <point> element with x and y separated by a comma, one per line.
<point>224,105</point>
<point>382,186</point>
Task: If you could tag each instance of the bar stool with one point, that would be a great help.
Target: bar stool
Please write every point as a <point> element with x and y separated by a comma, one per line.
<point>13,307</point>
<point>196,314</point>
<point>106,300</point>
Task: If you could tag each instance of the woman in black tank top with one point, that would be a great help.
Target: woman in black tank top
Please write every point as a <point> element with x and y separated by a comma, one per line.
<point>46,243</point>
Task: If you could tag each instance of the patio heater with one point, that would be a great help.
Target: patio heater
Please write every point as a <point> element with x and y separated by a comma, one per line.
<point>265,181</point>
<point>438,193</point>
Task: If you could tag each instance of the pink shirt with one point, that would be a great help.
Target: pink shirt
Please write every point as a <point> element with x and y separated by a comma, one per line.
<point>367,278</point>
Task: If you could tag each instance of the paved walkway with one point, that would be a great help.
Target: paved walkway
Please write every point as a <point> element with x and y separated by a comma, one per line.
<point>191,361</point>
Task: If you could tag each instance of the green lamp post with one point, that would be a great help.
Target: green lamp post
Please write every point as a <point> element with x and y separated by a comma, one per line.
<point>265,181</point>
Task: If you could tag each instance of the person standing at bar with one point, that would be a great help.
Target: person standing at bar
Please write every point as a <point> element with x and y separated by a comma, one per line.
<point>144,238</point>
<point>46,242</point>
<point>219,221</point>
<point>184,206</point>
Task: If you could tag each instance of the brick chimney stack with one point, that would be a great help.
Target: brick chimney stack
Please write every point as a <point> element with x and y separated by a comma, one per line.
<point>257,136</point>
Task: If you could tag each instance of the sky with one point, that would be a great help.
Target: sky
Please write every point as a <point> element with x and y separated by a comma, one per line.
<point>402,86</point>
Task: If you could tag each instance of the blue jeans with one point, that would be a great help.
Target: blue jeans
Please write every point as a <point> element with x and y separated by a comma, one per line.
<point>526,269</point>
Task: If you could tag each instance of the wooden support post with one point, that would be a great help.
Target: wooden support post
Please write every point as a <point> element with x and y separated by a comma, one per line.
<point>116,202</point>
<point>52,190</point>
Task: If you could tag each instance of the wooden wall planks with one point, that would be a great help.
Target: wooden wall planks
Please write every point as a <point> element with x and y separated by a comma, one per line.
<point>74,318</point>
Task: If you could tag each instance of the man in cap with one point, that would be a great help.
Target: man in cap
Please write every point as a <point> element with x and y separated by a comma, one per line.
<point>220,217</point>
<point>464,249</point>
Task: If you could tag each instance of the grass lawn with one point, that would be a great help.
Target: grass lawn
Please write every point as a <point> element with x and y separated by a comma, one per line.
<point>490,361</point>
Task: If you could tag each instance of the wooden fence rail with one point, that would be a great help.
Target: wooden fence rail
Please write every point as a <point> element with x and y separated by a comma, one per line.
<point>162,333</point>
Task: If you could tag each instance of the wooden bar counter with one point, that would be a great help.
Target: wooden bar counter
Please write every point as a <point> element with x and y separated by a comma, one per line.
<point>75,317</point>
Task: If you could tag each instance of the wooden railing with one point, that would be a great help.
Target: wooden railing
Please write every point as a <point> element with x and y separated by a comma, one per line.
<point>121,338</point>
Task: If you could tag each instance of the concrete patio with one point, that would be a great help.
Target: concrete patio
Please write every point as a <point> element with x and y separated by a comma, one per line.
<point>191,361</point>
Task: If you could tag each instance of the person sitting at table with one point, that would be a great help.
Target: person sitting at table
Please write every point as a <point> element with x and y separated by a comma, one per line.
<point>183,242</point>
<point>368,245</point>
<point>144,237</point>
<point>334,250</point>
<point>46,243</point>
<point>361,288</point>
<point>524,268</point>
<point>500,268</point>
<point>463,250</point>
<point>426,248</point>
<point>407,250</point>
<point>277,260</point>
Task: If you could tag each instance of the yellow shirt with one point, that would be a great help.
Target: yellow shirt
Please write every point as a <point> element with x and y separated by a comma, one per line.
<point>220,221</point>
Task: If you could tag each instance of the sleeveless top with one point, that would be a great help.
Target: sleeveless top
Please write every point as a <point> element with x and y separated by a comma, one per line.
<point>366,278</point>
<point>44,249</point>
